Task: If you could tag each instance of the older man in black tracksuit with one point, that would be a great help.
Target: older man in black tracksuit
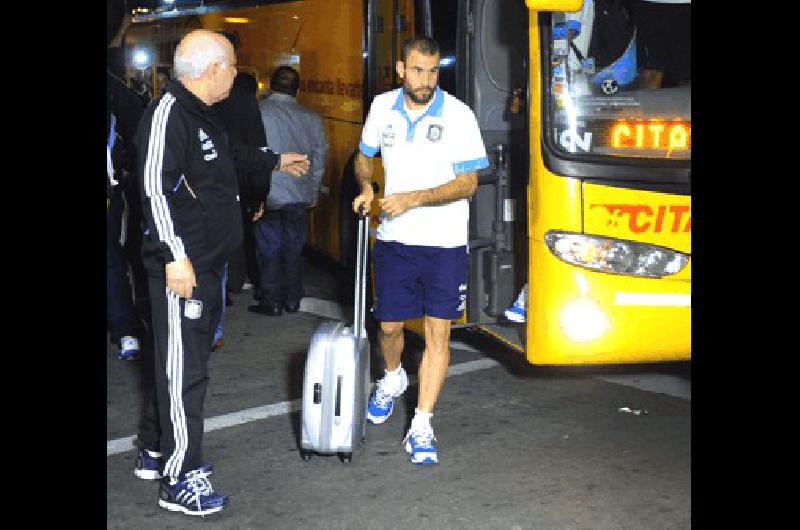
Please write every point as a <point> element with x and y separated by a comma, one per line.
<point>193,222</point>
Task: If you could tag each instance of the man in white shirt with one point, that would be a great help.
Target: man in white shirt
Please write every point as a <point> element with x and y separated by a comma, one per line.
<point>431,148</point>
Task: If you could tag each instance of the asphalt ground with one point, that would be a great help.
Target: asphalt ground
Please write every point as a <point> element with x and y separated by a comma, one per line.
<point>520,446</point>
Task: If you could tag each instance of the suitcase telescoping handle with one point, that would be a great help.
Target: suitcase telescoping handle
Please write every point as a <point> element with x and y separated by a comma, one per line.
<point>362,250</point>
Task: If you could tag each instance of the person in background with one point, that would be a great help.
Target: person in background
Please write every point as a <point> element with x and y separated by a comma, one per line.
<point>281,233</point>
<point>123,111</point>
<point>240,115</point>
<point>125,103</point>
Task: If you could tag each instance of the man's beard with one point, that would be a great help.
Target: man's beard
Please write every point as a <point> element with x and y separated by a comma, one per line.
<point>419,100</point>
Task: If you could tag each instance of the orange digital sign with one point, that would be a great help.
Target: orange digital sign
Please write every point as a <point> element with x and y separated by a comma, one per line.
<point>652,134</point>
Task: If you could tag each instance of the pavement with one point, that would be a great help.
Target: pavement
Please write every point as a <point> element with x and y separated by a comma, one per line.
<point>520,446</point>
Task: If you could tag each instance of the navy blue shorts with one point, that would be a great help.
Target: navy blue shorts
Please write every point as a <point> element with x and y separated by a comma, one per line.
<point>412,281</point>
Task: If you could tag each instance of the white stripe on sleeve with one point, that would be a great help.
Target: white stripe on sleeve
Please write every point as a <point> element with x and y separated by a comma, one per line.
<point>153,181</point>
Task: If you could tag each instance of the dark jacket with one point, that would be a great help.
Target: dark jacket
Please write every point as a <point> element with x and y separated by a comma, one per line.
<point>127,109</point>
<point>242,120</point>
<point>188,182</point>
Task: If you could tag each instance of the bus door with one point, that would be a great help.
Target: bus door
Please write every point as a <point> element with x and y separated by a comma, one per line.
<point>492,79</point>
<point>387,23</point>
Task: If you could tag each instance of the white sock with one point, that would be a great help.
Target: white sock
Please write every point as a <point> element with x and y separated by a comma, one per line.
<point>395,372</point>
<point>391,379</point>
<point>421,421</point>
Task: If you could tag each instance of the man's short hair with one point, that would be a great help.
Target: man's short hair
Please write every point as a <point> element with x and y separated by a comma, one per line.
<point>424,45</point>
<point>193,62</point>
<point>285,80</point>
<point>247,83</point>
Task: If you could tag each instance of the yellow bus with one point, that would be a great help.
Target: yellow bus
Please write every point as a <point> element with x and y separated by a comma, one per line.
<point>588,198</point>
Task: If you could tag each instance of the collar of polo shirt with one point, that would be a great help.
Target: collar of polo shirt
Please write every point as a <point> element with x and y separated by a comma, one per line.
<point>434,109</point>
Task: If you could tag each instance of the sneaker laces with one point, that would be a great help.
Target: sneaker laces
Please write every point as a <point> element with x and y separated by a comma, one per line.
<point>423,439</point>
<point>197,482</point>
<point>382,398</point>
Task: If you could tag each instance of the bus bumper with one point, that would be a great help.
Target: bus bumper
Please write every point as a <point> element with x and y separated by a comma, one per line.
<point>579,316</point>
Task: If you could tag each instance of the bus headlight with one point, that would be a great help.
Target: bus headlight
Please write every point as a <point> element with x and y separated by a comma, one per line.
<point>615,255</point>
<point>583,321</point>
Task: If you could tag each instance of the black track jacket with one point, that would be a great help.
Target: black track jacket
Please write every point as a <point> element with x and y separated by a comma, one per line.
<point>240,116</point>
<point>187,180</point>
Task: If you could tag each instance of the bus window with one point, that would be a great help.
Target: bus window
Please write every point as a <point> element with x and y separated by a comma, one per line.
<point>601,98</point>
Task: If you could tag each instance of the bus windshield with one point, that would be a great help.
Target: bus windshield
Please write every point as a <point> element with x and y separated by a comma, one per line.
<point>620,80</point>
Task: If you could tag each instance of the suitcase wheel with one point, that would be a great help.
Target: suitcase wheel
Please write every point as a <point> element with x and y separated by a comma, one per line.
<point>305,455</point>
<point>346,457</point>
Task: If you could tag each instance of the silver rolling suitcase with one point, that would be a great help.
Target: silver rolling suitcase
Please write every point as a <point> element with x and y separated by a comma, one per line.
<point>336,379</point>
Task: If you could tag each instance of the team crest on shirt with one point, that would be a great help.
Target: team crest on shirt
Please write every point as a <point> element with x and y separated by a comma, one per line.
<point>435,133</point>
<point>388,136</point>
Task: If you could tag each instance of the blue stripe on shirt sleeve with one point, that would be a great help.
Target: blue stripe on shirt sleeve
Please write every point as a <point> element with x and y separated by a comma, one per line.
<point>367,150</point>
<point>470,165</point>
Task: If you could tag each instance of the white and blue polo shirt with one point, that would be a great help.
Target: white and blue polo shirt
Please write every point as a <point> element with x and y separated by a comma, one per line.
<point>422,153</point>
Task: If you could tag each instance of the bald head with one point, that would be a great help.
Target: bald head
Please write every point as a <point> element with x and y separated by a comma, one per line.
<point>200,49</point>
<point>205,65</point>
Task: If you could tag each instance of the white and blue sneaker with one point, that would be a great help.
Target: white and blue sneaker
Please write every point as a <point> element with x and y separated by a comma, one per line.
<point>193,495</point>
<point>128,348</point>
<point>421,445</point>
<point>381,402</point>
<point>516,313</point>
<point>148,465</point>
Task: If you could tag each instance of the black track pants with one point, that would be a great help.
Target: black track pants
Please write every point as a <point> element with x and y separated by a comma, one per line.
<point>182,347</point>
